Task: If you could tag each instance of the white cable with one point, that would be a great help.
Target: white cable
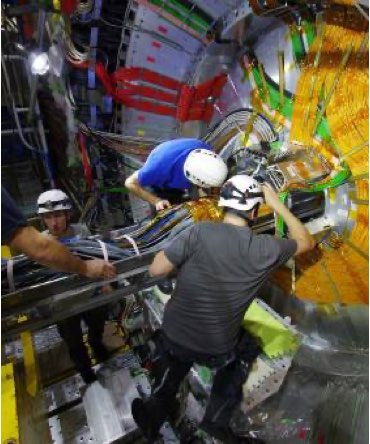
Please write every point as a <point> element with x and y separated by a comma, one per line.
<point>104,249</point>
<point>133,243</point>
<point>10,274</point>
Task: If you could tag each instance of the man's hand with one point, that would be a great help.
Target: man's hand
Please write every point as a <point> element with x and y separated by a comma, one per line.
<point>162,204</point>
<point>271,198</point>
<point>98,268</point>
<point>297,230</point>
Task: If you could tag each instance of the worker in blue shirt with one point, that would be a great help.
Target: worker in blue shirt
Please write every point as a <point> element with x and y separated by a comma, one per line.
<point>174,167</point>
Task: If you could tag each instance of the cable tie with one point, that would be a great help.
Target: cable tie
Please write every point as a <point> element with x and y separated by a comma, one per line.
<point>10,274</point>
<point>133,243</point>
<point>104,249</point>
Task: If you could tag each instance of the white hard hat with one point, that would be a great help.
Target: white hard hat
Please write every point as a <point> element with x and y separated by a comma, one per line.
<point>241,192</point>
<point>205,168</point>
<point>53,200</point>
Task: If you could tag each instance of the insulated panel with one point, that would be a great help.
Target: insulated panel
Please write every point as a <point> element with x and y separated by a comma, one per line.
<point>215,8</point>
<point>108,408</point>
<point>147,52</point>
<point>235,16</point>
<point>266,50</point>
<point>151,21</point>
<point>170,52</point>
<point>70,427</point>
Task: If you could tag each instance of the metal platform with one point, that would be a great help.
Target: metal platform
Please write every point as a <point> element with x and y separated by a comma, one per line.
<point>101,412</point>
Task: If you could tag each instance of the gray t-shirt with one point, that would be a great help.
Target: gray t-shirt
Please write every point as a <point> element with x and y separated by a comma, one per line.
<point>76,230</point>
<point>221,268</point>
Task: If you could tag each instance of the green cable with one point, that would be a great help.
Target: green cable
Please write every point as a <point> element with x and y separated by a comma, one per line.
<point>309,31</point>
<point>280,224</point>
<point>299,52</point>
<point>182,13</point>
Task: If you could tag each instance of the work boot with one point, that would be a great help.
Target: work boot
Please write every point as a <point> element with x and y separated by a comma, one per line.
<point>142,417</point>
<point>165,286</point>
<point>222,433</point>
<point>101,353</point>
<point>245,440</point>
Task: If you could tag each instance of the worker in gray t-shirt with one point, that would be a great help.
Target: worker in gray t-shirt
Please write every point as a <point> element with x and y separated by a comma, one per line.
<point>54,208</point>
<point>220,267</point>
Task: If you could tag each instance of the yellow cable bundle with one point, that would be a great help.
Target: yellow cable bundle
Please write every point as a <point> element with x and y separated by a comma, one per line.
<point>335,77</point>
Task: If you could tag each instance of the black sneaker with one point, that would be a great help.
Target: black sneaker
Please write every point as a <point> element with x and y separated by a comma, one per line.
<point>142,419</point>
<point>251,441</point>
<point>166,286</point>
<point>88,376</point>
<point>224,434</point>
<point>101,353</point>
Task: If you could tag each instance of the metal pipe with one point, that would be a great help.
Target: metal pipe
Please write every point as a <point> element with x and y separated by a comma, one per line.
<point>249,127</point>
<point>320,36</point>
<point>361,11</point>
<point>44,151</point>
<point>264,84</point>
<point>41,20</point>
<point>281,78</point>
<point>8,132</point>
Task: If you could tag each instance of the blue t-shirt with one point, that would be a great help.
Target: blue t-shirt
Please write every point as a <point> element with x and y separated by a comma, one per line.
<point>164,167</point>
<point>11,217</point>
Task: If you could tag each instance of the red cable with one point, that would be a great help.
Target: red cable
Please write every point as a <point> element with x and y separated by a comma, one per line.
<point>191,101</point>
<point>85,160</point>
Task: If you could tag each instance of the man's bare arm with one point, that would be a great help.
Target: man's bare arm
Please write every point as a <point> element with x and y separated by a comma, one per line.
<point>132,183</point>
<point>297,230</point>
<point>51,253</point>
<point>161,266</point>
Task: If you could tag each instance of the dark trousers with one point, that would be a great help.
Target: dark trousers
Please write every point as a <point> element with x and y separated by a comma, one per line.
<point>71,332</point>
<point>171,363</point>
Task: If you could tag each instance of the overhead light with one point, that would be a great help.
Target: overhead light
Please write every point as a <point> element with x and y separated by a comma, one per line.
<point>39,63</point>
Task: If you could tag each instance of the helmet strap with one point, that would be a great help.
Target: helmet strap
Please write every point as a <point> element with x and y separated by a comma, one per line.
<point>239,213</point>
<point>244,214</point>
<point>194,192</point>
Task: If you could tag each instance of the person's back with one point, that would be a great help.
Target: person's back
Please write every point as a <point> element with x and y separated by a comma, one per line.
<point>220,269</point>
<point>165,164</point>
<point>224,266</point>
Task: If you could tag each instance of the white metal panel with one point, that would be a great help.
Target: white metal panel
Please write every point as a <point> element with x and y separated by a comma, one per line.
<point>171,54</point>
<point>266,50</point>
<point>162,59</point>
<point>215,8</point>
<point>151,21</point>
<point>143,124</point>
<point>235,15</point>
